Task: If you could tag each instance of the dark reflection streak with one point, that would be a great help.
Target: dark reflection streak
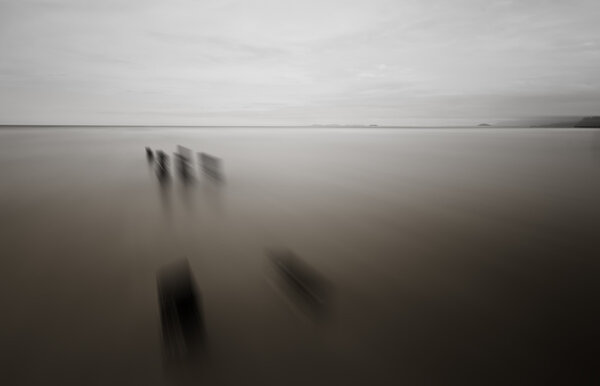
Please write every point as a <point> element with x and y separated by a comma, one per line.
<point>165,193</point>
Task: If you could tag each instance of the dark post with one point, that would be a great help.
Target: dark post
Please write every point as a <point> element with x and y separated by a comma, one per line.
<point>162,164</point>
<point>211,166</point>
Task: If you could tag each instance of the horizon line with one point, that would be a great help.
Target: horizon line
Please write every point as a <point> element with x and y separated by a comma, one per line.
<point>324,126</point>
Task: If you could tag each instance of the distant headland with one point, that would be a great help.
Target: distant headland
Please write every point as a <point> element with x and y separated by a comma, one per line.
<point>577,122</point>
<point>589,122</point>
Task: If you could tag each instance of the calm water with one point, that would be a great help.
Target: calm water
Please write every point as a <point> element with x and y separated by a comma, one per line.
<point>453,256</point>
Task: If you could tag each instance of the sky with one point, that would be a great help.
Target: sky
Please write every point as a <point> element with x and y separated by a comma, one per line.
<point>290,62</point>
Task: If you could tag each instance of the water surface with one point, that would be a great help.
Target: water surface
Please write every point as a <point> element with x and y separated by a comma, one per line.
<point>454,256</point>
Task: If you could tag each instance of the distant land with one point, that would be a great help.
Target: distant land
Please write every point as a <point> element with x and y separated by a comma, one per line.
<point>589,122</point>
<point>544,122</point>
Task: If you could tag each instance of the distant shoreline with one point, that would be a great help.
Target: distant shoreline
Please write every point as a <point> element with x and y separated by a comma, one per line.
<point>481,128</point>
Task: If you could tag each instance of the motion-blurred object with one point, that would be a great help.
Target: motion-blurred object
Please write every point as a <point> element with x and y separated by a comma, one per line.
<point>303,284</point>
<point>162,165</point>
<point>149,154</point>
<point>180,311</point>
<point>211,166</point>
<point>184,163</point>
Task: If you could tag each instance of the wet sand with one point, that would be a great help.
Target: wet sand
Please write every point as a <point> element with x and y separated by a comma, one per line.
<point>453,256</point>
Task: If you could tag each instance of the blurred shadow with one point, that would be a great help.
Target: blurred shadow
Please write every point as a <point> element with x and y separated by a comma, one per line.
<point>309,291</point>
<point>181,314</point>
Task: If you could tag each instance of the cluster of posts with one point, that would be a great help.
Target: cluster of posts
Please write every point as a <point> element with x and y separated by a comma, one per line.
<point>180,301</point>
<point>210,165</point>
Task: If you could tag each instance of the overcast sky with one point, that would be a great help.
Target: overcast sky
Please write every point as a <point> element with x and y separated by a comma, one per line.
<point>225,62</point>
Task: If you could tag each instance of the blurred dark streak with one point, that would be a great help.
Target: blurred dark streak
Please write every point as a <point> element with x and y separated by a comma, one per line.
<point>164,185</point>
<point>187,186</point>
<point>309,290</point>
<point>212,167</point>
<point>183,162</point>
<point>149,155</point>
<point>162,165</point>
<point>181,316</point>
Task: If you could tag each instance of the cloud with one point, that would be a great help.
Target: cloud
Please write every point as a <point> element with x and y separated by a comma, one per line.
<point>289,62</point>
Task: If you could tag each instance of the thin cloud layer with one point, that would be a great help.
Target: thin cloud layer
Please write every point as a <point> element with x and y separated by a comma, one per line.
<point>290,62</point>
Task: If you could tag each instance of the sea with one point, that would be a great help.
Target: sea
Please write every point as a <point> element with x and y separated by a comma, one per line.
<point>415,256</point>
